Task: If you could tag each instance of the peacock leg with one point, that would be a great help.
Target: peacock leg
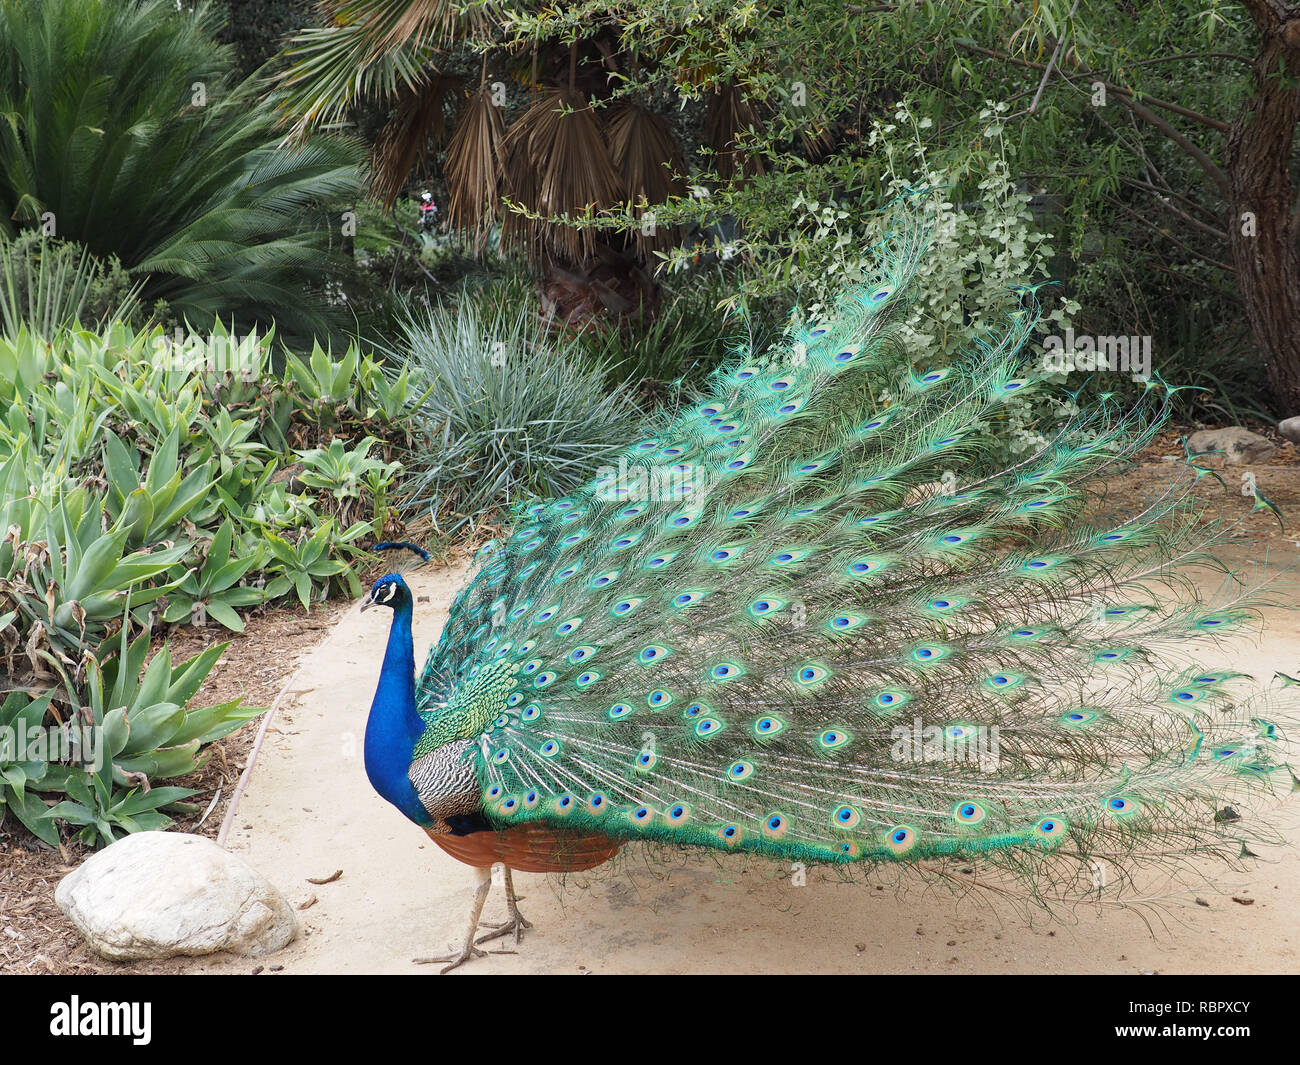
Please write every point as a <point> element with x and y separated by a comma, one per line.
<point>517,923</point>
<point>482,884</point>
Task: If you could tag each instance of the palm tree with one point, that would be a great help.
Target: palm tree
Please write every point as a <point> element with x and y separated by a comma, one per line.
<point>128,132</point>
<point>575,150</point>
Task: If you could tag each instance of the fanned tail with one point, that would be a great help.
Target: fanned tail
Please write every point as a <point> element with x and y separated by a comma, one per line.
<point>811,616</point>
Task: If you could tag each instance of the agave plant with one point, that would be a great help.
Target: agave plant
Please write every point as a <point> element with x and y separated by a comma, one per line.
<point>21,768</point>
<point>134,728</point>
<point>214,589</point>
<point>152,507</point>
<point>302,566</point>
<point>348,473</point>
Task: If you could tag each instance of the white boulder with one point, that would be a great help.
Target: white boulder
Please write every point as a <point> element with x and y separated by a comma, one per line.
<point>163,894</point>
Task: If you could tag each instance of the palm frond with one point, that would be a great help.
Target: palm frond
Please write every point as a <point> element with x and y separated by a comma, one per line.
<point>557,165</point>
<point>418,125</point>
<point>728,117</point>
<point>370,50</point>
<point>645,153</point>
<point>472,168</point>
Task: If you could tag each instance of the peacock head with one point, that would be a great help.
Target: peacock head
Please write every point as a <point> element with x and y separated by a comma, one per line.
<point>390,591</point>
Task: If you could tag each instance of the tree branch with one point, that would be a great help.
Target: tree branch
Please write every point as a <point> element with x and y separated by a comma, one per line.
<point>1211,168</point>
<point>1164,197</point>
<point>1051,63</point>
<point>1119,90</point>
<point>1169,236</point>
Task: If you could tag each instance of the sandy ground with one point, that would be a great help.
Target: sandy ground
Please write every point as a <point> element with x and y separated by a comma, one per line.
<point>309,811</point>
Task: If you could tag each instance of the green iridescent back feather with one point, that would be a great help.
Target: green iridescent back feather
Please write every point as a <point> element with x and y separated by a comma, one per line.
<point>782,625</point>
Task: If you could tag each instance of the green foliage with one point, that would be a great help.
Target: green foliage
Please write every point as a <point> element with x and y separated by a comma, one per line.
<point>132,727</point>
<point>694,329</point>
<point>302,566</point>
<point>47,285</point>
<point>1123,143</point>
<point>346,474</point>
<point>344,397</point>
<point>186,452</point>
<point>256,27</point>
<point>147,477</point>
<point>20,773</point>
<point>508,411</point>
<point>214,590</point>
<point>127,132</point>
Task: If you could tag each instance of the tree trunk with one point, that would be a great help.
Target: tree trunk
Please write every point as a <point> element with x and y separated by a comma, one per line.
<point>1263,230</point>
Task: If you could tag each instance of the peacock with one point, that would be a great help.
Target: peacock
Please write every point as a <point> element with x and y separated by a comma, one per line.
<point>813,616</point>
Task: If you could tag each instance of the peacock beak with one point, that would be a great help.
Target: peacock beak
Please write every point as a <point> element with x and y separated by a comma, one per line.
<point>368,601</point>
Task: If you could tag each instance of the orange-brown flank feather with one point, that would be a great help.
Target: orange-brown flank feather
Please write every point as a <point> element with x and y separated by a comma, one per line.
<point>530,849</point>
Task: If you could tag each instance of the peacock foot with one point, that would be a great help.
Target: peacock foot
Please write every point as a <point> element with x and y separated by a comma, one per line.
<point>482,884</point>
<point>517,923</point>
<point>458,958</point>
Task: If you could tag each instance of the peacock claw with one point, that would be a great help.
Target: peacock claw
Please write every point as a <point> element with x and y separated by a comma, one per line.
<point>517,923</point>
<point>468,953</point>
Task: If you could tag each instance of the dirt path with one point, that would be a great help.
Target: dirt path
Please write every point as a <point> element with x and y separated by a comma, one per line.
<point>309,811</point>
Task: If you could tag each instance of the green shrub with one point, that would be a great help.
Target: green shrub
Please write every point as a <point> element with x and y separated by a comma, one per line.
<point>508,412</point>
<point>127,130</point>
<point>47,285</point>
<point>147,477</point>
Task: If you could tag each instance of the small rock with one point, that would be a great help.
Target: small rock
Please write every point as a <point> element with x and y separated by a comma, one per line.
<point>1233,446</point>
<point>1290,428</point>
<point>1201,902</point>
<point>163,894</point>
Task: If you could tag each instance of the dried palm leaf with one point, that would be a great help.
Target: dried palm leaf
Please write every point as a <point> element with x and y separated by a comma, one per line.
<point>556,164</point>
<point>417,125</point>
<point>473,167</point>
<point>729,115</point>
<point>817,141</point>
<point>392,23</point>
<point>646,155</point>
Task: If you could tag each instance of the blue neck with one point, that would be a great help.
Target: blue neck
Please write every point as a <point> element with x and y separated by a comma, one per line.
<point>394,725</point>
